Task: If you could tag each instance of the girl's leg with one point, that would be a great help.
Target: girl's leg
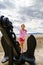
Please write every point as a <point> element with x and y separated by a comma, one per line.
<point>21,46</point>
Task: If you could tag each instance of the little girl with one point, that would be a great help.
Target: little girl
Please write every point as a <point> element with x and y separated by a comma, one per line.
<point>23,34</point>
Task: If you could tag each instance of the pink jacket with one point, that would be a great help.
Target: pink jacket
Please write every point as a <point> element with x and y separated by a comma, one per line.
<point>23,33</point>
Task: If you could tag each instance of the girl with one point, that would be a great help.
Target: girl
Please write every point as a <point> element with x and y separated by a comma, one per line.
<point>23,33</point>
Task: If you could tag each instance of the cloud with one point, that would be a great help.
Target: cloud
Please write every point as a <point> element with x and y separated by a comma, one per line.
<point>23,3</point>
<point>2,6</point>
<point>29,12</point>
<point>35,10</point>
<point>7,4</point>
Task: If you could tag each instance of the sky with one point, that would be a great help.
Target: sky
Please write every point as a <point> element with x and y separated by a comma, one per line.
<point>29,12</point>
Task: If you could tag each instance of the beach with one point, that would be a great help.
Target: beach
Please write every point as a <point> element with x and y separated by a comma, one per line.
<point>38,51</point>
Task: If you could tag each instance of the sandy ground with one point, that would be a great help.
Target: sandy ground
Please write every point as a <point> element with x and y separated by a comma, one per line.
<point>38,53</point>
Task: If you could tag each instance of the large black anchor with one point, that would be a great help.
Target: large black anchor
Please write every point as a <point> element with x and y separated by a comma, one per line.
<point>14,48</point>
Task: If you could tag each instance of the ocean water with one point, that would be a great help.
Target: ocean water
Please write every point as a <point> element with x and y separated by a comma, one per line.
<point>35,34</point>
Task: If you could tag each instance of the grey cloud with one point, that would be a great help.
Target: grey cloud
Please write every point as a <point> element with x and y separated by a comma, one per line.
<point>6,4</point>
<point>2,6</point>
<point>42,24</point>
<point>33,11</point>
<point>39,1</point>
<point>17,21</point>
<point>23,18</point>
<point>39,4</point>
<point>9,4</point>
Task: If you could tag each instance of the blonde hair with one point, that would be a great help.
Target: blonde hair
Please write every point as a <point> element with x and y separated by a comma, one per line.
<point>23,25</point>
